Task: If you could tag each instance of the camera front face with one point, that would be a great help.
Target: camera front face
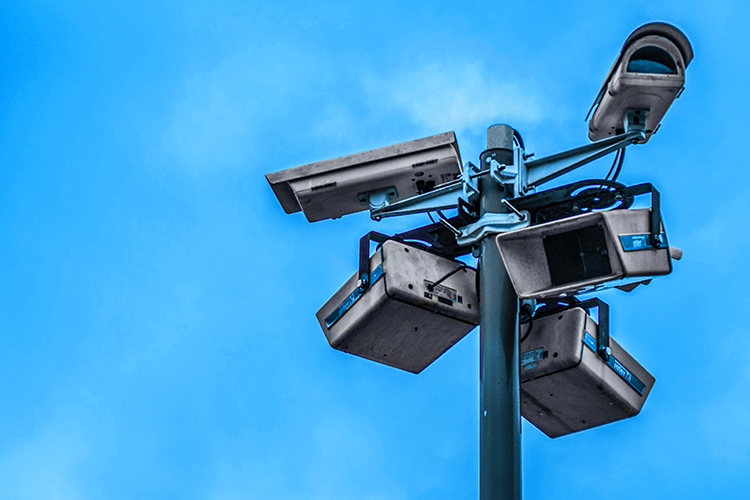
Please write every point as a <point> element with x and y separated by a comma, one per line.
<point>647,77</point>
<point>582,254</point>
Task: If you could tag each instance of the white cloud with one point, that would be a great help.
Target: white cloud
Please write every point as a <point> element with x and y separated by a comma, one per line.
<point>217,115</point>
<point>45,466</point>
<point>207,123</point>
<point>719,244</point>
<point>335,122</point>
<point>462,96</point>
<point>730,439</point>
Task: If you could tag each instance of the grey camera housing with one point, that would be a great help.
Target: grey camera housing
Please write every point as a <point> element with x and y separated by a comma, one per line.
<point>398,320</point>
<point>331,188</point>
<point>646,78</point>
<point>584,253</point>
<point>566,387</point>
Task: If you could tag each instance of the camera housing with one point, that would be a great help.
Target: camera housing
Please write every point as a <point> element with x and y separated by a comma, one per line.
<point>331,188</point>
<point>648,75</point>
<point>418,305</point>
<point>584,253</point>
<point>566,387</point>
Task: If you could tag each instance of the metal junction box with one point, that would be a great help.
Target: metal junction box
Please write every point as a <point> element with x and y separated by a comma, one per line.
<point>403,319</point>
<point>566,387</point>
<point>583,254</point>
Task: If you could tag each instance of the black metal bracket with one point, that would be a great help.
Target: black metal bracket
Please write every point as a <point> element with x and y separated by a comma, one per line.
<point>602,341</point>
<point>364,257</point>
<point>433,238</point>
<point>558,305</point>
<point>438,238</point>
<point>644,188</point>
<point>589,195</point>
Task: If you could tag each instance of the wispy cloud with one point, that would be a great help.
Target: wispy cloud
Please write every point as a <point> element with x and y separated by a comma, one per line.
<point>460,96</point>
<point>46,465</point>
<point>729,441</point>
<point>718,243</point>
<point>217,115</point>
<point>209,120</point>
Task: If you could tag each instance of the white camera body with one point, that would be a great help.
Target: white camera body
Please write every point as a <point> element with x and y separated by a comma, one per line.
<point>331,188</point>
<point>646,78</point>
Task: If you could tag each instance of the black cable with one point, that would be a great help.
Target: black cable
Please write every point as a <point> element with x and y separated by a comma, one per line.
<point>430,216</point>
<point>619,165</point>
<point>432,286</point>
<point>528,332</point>
<point>477,277</point>
<point>614,164</point>
<point>616,168</point>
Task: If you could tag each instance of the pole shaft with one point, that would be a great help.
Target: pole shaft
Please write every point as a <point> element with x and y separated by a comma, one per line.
<point>500,414</point>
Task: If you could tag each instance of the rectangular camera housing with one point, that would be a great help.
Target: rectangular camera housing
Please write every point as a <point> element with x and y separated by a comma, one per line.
<point>331,188</point>
<point>566,387</point>
<point>646,78</point>
<point>584,253</point>
<point>399,321</point>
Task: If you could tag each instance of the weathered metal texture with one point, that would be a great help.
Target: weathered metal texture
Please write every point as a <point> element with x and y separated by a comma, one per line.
<point>399,321</point>
<point>566,387</point>
<point>545,169</point>
<point>332,188</point>
<point>652,92</point>
<point>500,419</point>
<point>527,257</point>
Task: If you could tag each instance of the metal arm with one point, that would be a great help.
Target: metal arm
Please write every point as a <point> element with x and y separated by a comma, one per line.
<point>442,197</point>
<point>545,169</point>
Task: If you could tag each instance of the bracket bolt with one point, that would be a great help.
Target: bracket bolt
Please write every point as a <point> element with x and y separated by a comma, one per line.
<point>605,352</point>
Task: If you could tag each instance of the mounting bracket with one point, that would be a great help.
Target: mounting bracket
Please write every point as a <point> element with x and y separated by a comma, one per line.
<point>602,343</point>
<point>378,199</point>
<point>491,223</point>
<point>545,169</point>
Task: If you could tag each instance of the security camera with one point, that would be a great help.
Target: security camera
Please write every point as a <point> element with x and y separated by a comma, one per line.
<point>647,76</point>
<point>331,188</point>
<point>566,386</point>
<point>584,253</point>
<point>418,305</point>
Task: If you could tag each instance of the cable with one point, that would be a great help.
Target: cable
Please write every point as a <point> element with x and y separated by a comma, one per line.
<point>432,286</point>
<point>619,165</point>
<point>614,164</point>
<point>615,169</point>
<point>526,310</point>
<point>528,332</point>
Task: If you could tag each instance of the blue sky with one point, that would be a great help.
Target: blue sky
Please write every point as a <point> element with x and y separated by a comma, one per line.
<point>157,308</point>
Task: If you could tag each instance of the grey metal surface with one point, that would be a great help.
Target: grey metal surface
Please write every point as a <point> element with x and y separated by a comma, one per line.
<point>500,137</point>
<point>525,259</point>
<point>548,168</point>
<point>399,321</point>
<point>332,188</point>
<point>661,29</point>
<point>442,197</point>
<point>489,224</point>
<point>569,388</point>
<point>623,90</point>
<point>500,420</point>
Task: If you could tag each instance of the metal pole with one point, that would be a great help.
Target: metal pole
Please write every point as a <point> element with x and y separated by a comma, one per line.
<point>500,413</point>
